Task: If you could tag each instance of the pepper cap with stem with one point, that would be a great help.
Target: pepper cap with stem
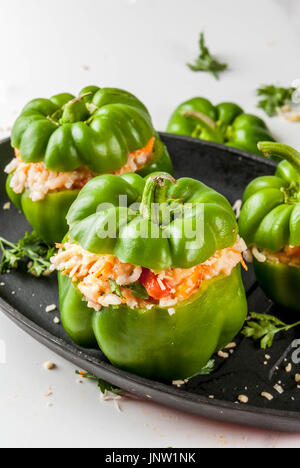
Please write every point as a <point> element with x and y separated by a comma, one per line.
<point>270,215</point>
<point>206,124</point>
<point>154,192</point>
<point>281,151</point>
<point>76,110</point>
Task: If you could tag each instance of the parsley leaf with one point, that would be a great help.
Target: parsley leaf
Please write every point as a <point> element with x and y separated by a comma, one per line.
<point>30,247</point>
<point>265,327</point>
<point>205,62</point>
<point>104,386</point>
<point>115,288</point>
<point>138,290</point>
<point>208,369</point>
<point>274,98</point>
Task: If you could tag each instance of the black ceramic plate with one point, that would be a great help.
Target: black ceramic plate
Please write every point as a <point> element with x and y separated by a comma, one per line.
<point>24,299</point>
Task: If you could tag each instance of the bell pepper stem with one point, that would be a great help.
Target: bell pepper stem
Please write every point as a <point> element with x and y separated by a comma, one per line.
<point>78,99</point>
<point>55,117</point>
<point>76,110</point>
<point>282,151</point>
<point>154,192</point>
<point>205,122</point>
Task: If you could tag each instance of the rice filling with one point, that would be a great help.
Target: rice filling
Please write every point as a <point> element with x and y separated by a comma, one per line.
<point>106,281</point>
<point>288,255</point>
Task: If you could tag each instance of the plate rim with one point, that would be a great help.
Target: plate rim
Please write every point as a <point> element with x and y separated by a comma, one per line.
<point>177,398</point>
<point>117,376</point>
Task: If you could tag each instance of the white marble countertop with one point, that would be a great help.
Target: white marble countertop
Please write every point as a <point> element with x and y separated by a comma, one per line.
<point>140,45</point>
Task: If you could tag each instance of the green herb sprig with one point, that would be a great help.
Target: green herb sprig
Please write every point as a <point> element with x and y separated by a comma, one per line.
<point>265,327</point>
<point>115,288</point>
<point>103,386</point>
<point>208,369</point>
<point>31,247</point>
<point>138,290</point>
<point>273,98</point>
<point>206,62</point>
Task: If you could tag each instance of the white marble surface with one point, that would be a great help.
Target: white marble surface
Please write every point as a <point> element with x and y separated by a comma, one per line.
<point>143,45</point>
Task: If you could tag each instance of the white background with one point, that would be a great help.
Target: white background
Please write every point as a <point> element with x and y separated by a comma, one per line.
<point>63,45</point>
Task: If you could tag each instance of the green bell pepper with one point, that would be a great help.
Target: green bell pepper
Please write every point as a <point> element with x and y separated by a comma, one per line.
<point>225,123</point>
<point>152,342</point>
<point>97,130</point>
<point>270,220</point>
<point>280,282</point>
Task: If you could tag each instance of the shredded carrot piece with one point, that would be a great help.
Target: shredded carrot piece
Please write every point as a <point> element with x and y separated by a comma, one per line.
<point>147,149</point>
<point>242,259</point>
<point>244,264</point>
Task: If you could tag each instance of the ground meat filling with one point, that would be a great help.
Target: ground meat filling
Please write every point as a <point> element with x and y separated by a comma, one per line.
<point>287,256</point>
<point>40,181</point>
<point>105,281</point>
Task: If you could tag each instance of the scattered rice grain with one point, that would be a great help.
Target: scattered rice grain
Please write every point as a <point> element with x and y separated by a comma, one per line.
<point>243,399</point>
<point>49,365</point>
<point>278,389</point>
<point>231,345</point>
<point>267,395</point>
<point>7,206</point>
<point>223,355</point>
<point>288,368</point>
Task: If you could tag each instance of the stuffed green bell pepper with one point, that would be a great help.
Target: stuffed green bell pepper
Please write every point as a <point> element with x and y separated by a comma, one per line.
<point>270,225</point>
<point>225,123</point>
<point>62,142</point>
<point>152,277</point>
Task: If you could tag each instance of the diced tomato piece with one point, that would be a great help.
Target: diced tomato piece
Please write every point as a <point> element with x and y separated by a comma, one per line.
<point>157,289</point>
<point>79,184</point>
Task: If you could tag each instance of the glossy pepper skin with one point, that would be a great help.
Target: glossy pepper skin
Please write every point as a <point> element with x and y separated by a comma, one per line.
<point>280,282</point>
<point>98,129</point>
<point>48,216</point>
<point>270,219</point>
<point>225,123</point>
<point>154,343</point>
